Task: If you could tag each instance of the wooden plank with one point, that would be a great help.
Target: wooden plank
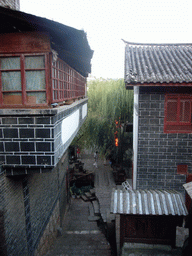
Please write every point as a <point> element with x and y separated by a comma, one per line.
<point>29,42</point>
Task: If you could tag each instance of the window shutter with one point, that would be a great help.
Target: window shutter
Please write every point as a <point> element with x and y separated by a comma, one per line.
<point>185,111</point>
<point>178,111</point>
<point>172,110</point>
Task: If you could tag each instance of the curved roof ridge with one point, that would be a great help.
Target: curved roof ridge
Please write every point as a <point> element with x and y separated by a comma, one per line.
<point>156,44</point>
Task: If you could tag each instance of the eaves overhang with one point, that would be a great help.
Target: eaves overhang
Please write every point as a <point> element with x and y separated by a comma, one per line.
<point>70,43</point>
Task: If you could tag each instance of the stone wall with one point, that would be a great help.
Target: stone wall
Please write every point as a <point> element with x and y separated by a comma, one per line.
<point>159,153</point>
<point>13,4</point>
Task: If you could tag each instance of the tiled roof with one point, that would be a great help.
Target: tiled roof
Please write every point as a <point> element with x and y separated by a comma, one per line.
<point>158,63</point>
<point>148,202</point>
<point>188,188</point>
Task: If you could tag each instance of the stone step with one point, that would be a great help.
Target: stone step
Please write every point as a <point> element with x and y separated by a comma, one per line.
<point>85,199</point>
<point>88,194</point>
<point>96,207</point>
<point>137,249</point>
<point>91,209</point>
<point>93,218</point>
<point>92,191</point>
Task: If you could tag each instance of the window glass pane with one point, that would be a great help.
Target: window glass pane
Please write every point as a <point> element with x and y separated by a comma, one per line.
<point>55,95</point>
<point>185,111</point>
<point>11,81</point>
<point>35,80</point>
<point>12,98</point>
<point>34,62</point>
<point>172,110</point>
<point>10,63</point>
<point>36,97</point>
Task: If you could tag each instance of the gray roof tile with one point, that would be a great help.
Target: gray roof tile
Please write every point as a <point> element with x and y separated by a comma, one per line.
<point>158,63</point>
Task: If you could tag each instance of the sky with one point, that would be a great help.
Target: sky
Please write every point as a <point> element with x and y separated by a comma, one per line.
<point>107,22</point>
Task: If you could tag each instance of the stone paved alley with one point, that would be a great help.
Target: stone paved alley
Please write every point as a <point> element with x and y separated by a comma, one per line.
<point>81,237</point>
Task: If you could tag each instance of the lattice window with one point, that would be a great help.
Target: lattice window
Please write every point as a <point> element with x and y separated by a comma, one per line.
<point>23,80</point>
<point>178,110</point>
<point>66,82</point>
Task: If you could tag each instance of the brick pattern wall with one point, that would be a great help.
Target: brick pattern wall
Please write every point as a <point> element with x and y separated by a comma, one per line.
<point>12,207</point>
<point>3,248</point>
<point>159,153</point>
<point>30,141</point>
<point>43,189</point>
<point>26,141</point>
<point>33,180</point>
<point>27,215</point>
<point>50,233</point>
<point>31,210</point>
<point>64,186</point>
<point>47,194</point>
<point>13,4</point>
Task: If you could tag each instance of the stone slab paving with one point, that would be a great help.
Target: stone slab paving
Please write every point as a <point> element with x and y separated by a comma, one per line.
<point>103,183</point>
<point>131,249</point>
<point>79,236</point>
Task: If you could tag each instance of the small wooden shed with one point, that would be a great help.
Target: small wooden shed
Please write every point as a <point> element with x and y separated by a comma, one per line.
<point>147,216</point>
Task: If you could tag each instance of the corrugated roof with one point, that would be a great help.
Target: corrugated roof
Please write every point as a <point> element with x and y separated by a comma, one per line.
<point>188,188</point>
<point>148,202</point>
<point>158,63</point>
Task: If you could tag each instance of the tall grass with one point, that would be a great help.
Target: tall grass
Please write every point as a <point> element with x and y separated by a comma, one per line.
<point>108,101</point>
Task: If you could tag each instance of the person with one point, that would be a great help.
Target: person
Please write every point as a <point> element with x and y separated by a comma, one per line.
<point>96,159</point>
<point>78,152</point>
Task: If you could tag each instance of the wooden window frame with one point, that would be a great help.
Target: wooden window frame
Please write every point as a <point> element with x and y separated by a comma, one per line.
<point>24,90</point>
<point>67,83</point>
<point>178,126</point>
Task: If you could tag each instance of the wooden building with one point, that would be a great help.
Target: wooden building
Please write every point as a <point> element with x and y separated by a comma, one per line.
<point>43,103</point>
<point>147,216</point>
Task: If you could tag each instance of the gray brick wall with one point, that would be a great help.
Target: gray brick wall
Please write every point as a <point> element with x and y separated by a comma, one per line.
<point>28,205</point>
<point>34,173</point>
<point>31,140</point>
<point>13,4</point>
<point>45,191</point>
<point>12,206</point>
<point>26,141</point>
<point>159,153</point>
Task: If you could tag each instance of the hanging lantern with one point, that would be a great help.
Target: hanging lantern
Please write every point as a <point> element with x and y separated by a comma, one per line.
<point>116,139</point>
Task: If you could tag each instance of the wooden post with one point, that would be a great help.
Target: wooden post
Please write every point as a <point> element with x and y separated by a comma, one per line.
<point>117,231</point>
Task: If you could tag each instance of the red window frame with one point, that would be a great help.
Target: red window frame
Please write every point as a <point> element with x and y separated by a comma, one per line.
<point>67,83</point>
<point>178,111</point>
<point>24,90</point>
